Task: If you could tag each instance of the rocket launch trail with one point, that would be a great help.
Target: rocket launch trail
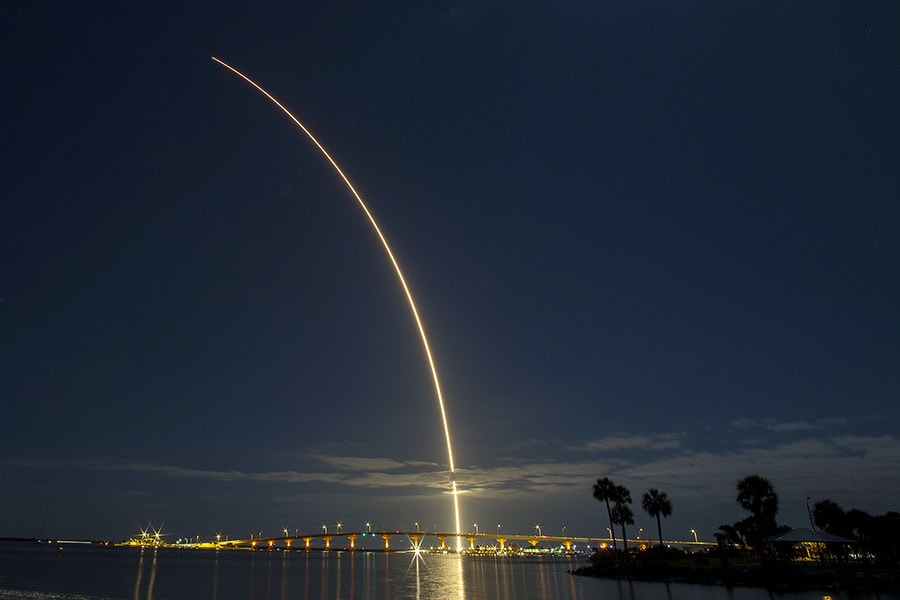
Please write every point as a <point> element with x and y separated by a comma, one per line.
<point>397,270</point>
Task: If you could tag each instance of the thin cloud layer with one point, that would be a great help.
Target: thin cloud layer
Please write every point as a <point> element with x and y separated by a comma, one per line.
<point>699,480</point>
<point>669,441</point>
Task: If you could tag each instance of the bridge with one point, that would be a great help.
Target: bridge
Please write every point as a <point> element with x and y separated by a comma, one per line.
<point>324,541</point>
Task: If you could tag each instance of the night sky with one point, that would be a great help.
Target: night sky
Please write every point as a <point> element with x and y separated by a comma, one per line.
<point>654,241</point>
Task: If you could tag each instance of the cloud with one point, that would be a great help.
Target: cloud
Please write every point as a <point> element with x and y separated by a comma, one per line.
<point>104,464</point>
<point>349,471</point>
<point>854,467</point>
<point>699,475</point>
<point>787,426</point>
<point>617,442</point>
<point>853,470</point>
<point>359,463</point>
<point>818,462</point>
<point>793,426</point>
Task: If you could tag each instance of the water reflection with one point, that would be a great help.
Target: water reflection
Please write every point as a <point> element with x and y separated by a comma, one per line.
<point>229,575</point>
<point>285,567</point>
<point>140,575</point>
<point>441,578</point>
<point>215,585</point>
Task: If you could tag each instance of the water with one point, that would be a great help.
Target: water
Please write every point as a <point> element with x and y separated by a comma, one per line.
<point>36,572</point>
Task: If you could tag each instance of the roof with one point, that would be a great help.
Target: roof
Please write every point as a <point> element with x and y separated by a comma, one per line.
<point>808,535</point>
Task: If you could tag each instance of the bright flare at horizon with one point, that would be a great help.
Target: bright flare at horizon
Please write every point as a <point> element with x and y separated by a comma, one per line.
<point>406,290</point>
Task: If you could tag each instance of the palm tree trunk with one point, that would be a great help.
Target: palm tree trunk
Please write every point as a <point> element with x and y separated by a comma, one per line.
<point>624,539</point>
<point>612,531</point>
<point>659,529</point>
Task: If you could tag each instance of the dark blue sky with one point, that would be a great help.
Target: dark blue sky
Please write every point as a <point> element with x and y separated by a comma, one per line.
<point>649,241</point>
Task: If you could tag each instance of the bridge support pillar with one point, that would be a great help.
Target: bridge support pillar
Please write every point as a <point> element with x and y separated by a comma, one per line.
<point>534,542</point>
<point>327,539</point>
<point>387,540</point>
<point>443,540</point>
<point>271,544</point>
<point>471,539</point>
<point>287,544</point>
<point>567,545</point>
<point>415,539</point>
<point>307,540</point>
<point>502,542</point>
<point>352,538</point>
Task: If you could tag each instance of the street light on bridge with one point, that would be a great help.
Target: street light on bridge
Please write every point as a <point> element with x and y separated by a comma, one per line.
<point>339,525</point>
<point>694,531</point>
<point>368,527</point>
<point>538,527</point>
<point>475,525</point>
<point>498,528</point>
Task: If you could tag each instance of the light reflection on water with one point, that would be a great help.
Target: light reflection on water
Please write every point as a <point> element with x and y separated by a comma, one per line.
<point>31,573</point>
<point>376,575</point>
<point>140,574</point>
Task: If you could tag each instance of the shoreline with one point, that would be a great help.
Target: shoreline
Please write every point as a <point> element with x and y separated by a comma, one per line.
<point>775,577</point>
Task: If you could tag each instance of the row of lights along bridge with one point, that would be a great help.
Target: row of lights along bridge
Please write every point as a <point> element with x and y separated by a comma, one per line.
<point>419,533</point>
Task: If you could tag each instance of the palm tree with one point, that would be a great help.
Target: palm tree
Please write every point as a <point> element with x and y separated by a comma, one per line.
<point>756,494</point>
<point>656,503</point>
<point>860,524</point>
<point>830,517</point>
<point>621,512</point>
<point>604,491</point>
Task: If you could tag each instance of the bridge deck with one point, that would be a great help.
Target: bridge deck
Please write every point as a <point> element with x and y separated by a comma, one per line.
<point>472,538</point>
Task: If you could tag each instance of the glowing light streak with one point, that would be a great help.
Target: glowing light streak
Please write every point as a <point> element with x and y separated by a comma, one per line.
<point>417,558</point>
<point>397,270</point>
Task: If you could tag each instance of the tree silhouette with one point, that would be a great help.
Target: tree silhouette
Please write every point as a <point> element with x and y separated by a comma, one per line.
<point>656,503</point>
<point>605,491</point>
<point>831,518</point>
<point>732,535</point>
<point>861,524</point>
<point>621,512</point>
<point>756,494</point>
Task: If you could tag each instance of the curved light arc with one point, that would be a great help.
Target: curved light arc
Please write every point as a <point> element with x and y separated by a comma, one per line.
<point>397,270</point>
